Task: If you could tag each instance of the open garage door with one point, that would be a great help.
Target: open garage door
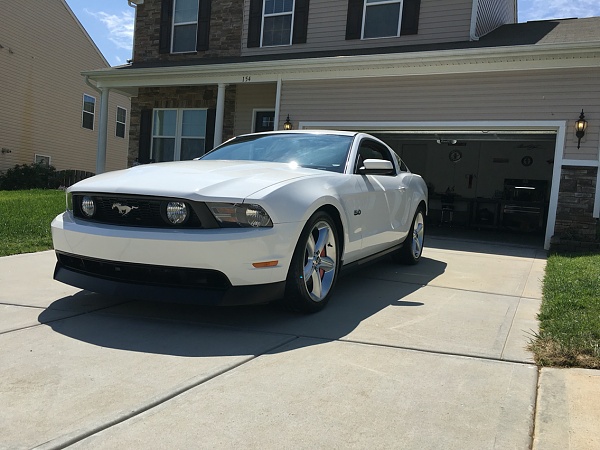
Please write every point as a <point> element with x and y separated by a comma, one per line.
<point>493,185</point>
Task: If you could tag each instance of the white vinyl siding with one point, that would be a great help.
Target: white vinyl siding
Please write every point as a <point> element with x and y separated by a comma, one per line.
<point>519,96</point>
<point>185,26</point>
<point>439,22</point>
<point>248,98</point>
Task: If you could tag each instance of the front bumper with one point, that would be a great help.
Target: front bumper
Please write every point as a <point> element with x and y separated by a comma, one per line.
<point>230,252</point>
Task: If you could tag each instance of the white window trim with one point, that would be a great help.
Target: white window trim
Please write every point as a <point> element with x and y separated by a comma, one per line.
<point>178,131</point>
<point>173,25</point>
<point>83,111</point>
<point>46,157</point>
<point>262,25</point>
<point>378,3</point>
<point>117,122</point>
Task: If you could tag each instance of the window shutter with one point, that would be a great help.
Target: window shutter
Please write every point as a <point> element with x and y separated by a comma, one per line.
<point>254,23</point>
<point>300,22</point>
<point>166,23</point>
<point>209,142</point>
<point>354,19</point>
<point>203,25</point>
<point>145,137</point>
<point>410,17</point>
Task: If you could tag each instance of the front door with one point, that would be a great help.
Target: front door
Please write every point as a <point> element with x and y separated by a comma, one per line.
<point>264,121</point>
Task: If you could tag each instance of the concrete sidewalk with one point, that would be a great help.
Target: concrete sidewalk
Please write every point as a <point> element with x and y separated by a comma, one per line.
<point>431,356</point>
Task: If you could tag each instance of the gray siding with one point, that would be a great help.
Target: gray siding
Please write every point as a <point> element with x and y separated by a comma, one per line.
<point>446,21</point>
<point>250,97</point>
<point>41,89</point>
<point>493,13</point>
<point>522,96</point>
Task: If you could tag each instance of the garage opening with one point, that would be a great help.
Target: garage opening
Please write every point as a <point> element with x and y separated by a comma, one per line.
<point>491,185</point>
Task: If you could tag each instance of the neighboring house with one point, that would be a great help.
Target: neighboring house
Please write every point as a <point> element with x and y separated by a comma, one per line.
<point>48,114</point>
<point>483,107</point>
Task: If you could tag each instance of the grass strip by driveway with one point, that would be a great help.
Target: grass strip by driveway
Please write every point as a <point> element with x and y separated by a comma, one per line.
<point>570,314</point>
<point>25,218</point>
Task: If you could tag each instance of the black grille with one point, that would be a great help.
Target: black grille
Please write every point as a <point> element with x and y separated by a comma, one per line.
<point>145,274</point>
<point>136,211</point>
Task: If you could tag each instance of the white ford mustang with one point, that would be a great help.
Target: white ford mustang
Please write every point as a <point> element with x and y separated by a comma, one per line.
<point>262,217</point>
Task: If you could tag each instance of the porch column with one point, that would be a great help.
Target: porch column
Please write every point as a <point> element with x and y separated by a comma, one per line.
<point>102,131</point>
<point>220,114</point>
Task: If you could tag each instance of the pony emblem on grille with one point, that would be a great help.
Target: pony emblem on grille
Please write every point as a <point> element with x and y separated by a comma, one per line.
<point>123,209</point>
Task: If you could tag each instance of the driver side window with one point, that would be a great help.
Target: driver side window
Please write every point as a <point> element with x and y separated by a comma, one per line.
<point>372,150</point>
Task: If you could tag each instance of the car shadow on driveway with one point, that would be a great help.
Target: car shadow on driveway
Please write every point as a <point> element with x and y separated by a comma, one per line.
<point>197,331</point>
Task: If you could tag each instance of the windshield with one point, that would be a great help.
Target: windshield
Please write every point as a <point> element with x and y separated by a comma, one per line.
<point>315,151</point>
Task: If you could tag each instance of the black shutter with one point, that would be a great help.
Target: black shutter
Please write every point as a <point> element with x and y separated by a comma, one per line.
<point>209,142</point>
<point>254,23</point>
<point>145,136</point>
<point>300,22</point>
<point>354,19</point>
<point>410,17</point>
<point>166,23</point>
<point>203,25</point>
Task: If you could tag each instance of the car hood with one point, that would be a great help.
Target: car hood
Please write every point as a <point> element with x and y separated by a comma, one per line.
<point>233,180</point>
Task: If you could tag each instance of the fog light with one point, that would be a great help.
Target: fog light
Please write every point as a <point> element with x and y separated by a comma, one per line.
<point>88,206</point>
<point>177,212</point>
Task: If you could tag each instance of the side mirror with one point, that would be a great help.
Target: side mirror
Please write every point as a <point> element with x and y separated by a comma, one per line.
<point>376,167</point>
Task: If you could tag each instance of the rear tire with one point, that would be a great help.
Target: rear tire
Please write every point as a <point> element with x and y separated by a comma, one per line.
<point>314,267</point>
<point>411,251</point>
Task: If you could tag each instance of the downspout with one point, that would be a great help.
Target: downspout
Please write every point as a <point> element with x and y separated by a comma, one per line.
<point>474,14</point>
<point>134,4</point>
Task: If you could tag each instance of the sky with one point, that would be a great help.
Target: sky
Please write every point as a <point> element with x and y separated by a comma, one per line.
<point>110,22</point>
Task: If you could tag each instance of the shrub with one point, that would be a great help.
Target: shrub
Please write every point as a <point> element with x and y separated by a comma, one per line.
<point>32,176</point>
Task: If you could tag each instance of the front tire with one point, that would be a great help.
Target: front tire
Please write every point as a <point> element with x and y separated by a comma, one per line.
<point>411,251</point>
<point>314,267</point>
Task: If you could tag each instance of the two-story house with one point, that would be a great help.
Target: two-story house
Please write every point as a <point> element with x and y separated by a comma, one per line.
<point>483,107</point>
<point>48,113</point>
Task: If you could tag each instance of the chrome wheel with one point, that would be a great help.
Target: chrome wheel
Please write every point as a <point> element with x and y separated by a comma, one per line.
<point>418,235</point>
<point>320,261</point>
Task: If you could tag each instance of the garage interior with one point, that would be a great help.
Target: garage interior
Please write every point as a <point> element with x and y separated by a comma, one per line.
<point>489,185</point>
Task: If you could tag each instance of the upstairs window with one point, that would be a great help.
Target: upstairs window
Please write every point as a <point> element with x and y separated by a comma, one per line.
<point>184,26</point>
<point>121,120</point>
<point>277,22</point>
<point>381,18</point>
<point>89,111</point>
<point>370,19</point>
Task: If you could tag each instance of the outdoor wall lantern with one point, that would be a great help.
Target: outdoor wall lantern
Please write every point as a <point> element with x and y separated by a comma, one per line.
<point>580,127</point>
<point>287,125</point>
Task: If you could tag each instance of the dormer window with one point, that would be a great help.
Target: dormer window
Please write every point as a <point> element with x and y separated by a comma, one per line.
<point>381,18</point>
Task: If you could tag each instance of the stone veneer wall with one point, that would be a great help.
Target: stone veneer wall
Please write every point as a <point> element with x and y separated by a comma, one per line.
<point>225,32</point>
<point>178,97</point>
<point>576,229</point>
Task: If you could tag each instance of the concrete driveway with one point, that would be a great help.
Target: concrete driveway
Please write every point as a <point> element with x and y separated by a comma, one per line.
<point>423,357</point>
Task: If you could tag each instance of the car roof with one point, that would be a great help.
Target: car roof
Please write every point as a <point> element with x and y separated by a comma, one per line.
<point>330,132</point>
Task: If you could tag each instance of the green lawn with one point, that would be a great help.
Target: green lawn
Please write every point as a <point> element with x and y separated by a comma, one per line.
<point>25,218</point>
<point>570,313</point>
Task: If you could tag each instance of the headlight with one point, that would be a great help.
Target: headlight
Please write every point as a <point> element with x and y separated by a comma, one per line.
<point>240,215</point>
<point>177,212</point>
<point>88,206</point>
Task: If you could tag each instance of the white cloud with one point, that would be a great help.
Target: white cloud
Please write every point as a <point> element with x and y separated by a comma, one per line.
<point>557,9</point>
<point>120,27</point>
